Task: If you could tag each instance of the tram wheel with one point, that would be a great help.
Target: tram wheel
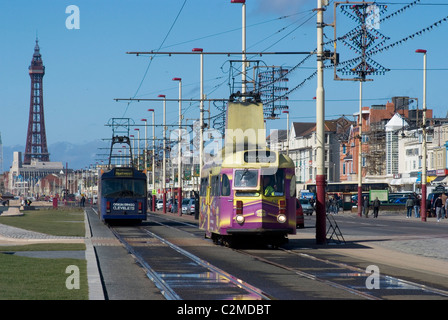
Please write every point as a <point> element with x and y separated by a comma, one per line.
<point>215,238</point>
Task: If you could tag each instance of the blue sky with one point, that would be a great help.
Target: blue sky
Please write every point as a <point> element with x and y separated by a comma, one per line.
<point>87,68</point>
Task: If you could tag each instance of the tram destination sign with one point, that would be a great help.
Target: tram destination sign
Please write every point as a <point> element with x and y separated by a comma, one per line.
<point>259,156</point>
<point>124,172</point>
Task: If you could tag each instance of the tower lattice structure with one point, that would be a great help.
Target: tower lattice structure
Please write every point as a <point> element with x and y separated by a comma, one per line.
<point>36,140</point>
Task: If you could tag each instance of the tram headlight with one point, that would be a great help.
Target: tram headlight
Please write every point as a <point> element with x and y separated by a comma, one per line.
<point>281,218</point>
<point>239,218</point>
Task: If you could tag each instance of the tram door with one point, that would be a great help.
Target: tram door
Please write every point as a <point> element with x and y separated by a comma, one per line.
<point>208,201</point>
<point>225,213</point>
<point>204,204</point>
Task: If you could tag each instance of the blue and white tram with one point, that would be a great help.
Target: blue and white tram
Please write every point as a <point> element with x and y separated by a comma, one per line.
<point>122,195</point>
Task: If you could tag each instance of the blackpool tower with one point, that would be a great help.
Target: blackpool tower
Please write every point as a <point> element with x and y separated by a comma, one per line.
<point>36,140</point>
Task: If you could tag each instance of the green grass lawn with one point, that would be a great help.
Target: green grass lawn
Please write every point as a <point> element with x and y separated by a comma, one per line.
<point>58,222</point>
<point>24,278</point>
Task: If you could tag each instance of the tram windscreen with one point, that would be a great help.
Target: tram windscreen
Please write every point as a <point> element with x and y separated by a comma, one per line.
<point>273,184</point>
<point>126,188</point>
<point>246,178</point>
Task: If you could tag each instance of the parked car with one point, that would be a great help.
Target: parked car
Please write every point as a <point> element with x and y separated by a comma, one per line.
<point>306,206</point>
<point>300,220</point>
<point>188,206</point>
<point>401,200</point>
<point>159,204</point>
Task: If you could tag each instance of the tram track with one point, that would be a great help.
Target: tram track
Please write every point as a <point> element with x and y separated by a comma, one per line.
<point>160,283</point>
<point>385,280</point>
<point>387,286</point>
<point>345,271</point>
<point>340,276</point>
<point>191,274</point>
<point>313,277</point>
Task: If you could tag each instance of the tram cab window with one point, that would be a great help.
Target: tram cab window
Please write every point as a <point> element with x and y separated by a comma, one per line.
<point>273,184</point>
<point>246,179</point>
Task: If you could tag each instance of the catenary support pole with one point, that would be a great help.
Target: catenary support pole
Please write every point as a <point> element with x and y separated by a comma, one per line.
<point>320,132</point>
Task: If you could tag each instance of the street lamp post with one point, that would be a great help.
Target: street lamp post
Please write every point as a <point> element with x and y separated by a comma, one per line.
<point>153,157</point>
<point>201,116</point>
<point>138,147</point>
<point>146,147</point>
<point>179,150</point>
<point>125,155</point>
<point>133,148</point>
<point>120,157</point>
<point>423,202</point>
<point>287,131</point>
<point>164,153</point>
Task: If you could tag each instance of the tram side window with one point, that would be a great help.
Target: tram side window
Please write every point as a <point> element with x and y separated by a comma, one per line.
<point>225,185</point>
<point>204,185</point>
<point>215,185</point>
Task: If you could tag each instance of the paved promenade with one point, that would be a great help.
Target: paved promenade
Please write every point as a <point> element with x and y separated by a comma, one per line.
<point>419,246</point>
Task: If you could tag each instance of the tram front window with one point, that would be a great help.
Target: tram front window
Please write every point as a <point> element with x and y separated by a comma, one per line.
<point>273,184</point>
<point>245,183</point>
<point>246,179</point>
<point>123,188</point>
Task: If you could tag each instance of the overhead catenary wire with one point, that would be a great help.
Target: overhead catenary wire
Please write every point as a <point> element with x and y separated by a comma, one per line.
<point>217,86</point>
<point>150,61</point>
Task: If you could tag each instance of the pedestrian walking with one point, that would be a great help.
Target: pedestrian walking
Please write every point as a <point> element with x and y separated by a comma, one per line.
<point>438,207</point>
<point>376,207</point>
<point>334,206</point>
<point>417,206</point>
<point>446,209</point>
<point>365,206</point>
<point>444,197</point>
<point>409,207</point>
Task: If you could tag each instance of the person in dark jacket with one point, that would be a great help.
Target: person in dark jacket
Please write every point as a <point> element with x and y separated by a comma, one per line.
<point>438,206</point>
<point>365,206</point>
<point>417,204</point>
<point>376,207</point>
<point>409,207</point>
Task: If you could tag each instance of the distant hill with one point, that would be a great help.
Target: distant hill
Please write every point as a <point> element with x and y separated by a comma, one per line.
<point>78,156</point>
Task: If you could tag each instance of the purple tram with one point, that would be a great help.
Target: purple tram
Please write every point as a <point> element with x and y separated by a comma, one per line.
<point>248,196</point>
